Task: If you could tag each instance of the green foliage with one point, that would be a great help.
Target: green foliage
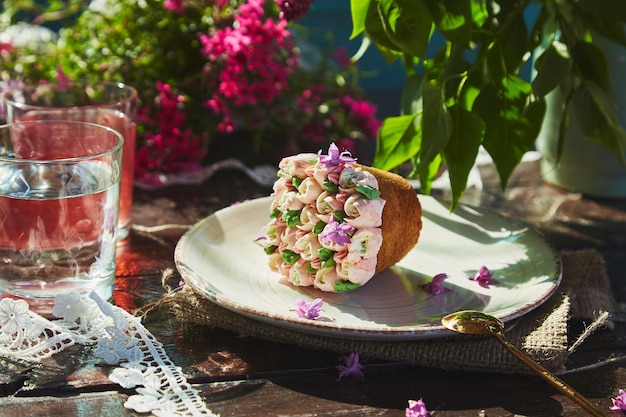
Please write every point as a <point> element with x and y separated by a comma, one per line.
<point>464,89</point>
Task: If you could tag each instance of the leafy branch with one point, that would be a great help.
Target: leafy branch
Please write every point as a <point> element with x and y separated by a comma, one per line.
<point>465,89</point>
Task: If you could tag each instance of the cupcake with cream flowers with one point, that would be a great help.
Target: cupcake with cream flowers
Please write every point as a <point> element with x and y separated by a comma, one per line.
<point>334,224</point>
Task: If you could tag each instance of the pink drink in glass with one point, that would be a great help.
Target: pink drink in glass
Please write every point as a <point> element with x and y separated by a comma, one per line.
<point>114,107</point>
<point>59,195</point>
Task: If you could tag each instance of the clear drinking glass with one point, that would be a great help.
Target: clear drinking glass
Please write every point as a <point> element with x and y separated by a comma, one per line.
<point>105,103</point>
<point>59,200</point>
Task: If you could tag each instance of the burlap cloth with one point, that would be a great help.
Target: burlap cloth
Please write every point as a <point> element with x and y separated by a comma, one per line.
<point>584,294</point>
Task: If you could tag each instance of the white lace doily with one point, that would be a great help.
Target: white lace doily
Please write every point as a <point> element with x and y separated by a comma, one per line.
<point>119,337</point>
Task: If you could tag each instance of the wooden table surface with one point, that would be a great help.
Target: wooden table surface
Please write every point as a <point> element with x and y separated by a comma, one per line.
<point>251,377</point>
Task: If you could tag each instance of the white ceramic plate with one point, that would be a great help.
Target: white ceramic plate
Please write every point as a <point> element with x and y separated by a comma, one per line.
<point>219,258</point>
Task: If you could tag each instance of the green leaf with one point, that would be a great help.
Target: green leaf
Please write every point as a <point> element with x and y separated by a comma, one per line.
<point>591,63</point>
<point>552,67</point>
<point>375,28</point>
<point>453,18</point>
<point>597,119</point>
<point>358,9</point>
<point>428,174</point>
<point>511,124</point>
<point>436,125</point>
<point>510,47</point>
<point>398,141</point>
<point>368,191</point>
<point>408,24</point>
<point>460,152</point>
<point>606,9</point>
<point>609,29</point>
<point>411,100</point>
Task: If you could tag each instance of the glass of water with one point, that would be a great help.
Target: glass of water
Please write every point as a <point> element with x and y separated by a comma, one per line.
<point>59,203</point>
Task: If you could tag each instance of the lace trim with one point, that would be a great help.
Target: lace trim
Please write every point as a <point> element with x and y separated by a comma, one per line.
<point>161,387</point>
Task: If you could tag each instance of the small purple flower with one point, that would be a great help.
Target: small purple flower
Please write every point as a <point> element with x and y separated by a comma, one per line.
<point>619,403</point>
<point>483,276</point>
<point>335,158</point>
<point>336,233</point>
<point>435,287</point>
<point>309,310</point>
<point>417,409</point>
<point>352,367</point>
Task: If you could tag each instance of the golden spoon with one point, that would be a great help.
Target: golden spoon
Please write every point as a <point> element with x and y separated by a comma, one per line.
<point>475,322</point>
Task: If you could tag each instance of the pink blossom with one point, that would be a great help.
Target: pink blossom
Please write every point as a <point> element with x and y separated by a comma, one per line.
<point>6,47</point>
<point>417,409</point>
<point>174,5</point>
<point>352,367</point>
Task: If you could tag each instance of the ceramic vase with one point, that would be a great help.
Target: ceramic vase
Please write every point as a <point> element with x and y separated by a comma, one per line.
<point>584,165</point>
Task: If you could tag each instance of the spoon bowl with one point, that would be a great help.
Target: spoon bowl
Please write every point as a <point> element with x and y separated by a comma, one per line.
<point>476,322</point>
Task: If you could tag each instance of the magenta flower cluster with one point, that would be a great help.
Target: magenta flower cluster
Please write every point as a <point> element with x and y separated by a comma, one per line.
<point>257,57</point>
<point>255,83</point>
<point>216,79</point>
<point>168,147</point>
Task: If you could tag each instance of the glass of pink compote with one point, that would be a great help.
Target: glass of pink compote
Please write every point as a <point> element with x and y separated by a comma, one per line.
<point>106,103</point>
<point>59,201</point>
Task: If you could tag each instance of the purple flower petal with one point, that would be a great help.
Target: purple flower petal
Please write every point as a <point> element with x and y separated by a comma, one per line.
<point>352,367</point>
<point>309,310</point>
<point>336,233</point>
<point>619,403</point>
<point>417,409</point>
<point>435,287</point>
<point>334,157</point>
<point>483,276</point>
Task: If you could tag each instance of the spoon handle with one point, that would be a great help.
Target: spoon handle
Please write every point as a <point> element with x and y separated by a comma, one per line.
<point>557,383</point>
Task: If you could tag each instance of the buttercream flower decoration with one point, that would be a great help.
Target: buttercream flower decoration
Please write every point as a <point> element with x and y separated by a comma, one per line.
<point>483,276</point>
<point>619,402</point>
<point>435,287</point>
<point>417,409</point>
<point>335,158</point>
<point>351,367</point>
<point>309,310</point>
<point>13,316</point>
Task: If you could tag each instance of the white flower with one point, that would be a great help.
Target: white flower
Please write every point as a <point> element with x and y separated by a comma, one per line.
<point>106,350</point>
<point>119,347</point>
<point>127,378</point>
<point>142,403</point>
<point>13,315</point>
<point>69,306</point>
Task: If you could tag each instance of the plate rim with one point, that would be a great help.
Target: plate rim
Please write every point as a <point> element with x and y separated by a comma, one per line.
<point>399,333</point>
